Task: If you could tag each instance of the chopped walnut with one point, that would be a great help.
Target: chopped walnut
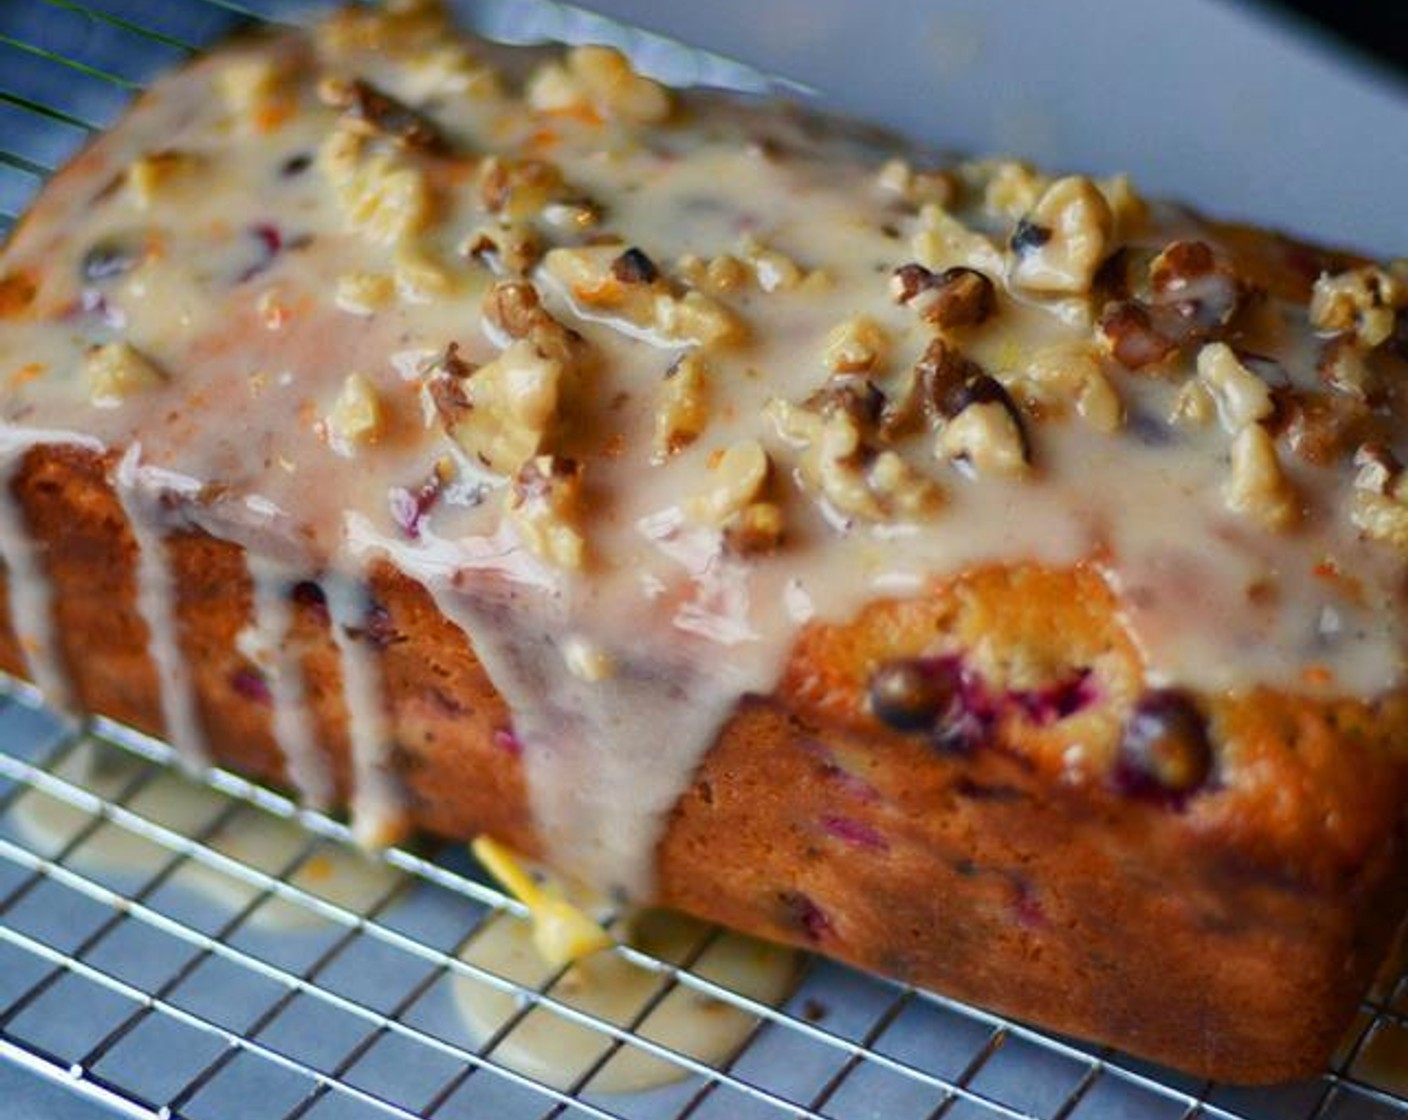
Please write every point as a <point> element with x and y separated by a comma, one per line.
<point>447,70</point>
<point>116,371</point>
<point>590,276</point>
<point>364,293</point>
<point>851,477</point>
<point>898,177</point>
<point>682,412</point>
<point>1242,398</point>
<point>1343,366</point>
<point>943,241</point>
<point>513,310</point>
<point>1128,333</point>
<point>985,436</point>
<point>511,247</point>
<point>1012,188</point>
<point>370,111</point>
<point>1061,241</point>
<point>1325,428</point>
<point>600,81</point>
<point>1071,372</point>
<point>420,274</point>
<point>544,508</point>
<point>397,27</point>
<point>151,177</point>
<point>355,417</point>
<point>956,297</point>
<point>757,528</point>
<point>857,345</point>
<point>1194,406</point>
<point>501,412</point>
<point>1258,487</point>
<point>1380,505</point>
<point>773,271</point>
<point>379,192</point>
<point>518,189</point>
<point>734,481</point>
<point>1362,301</point>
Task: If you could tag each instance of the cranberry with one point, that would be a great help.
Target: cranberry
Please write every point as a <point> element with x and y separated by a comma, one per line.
<point>251,685</point>
<point>854,832</point>
<point>800,911</point>
<point>1164,753</point>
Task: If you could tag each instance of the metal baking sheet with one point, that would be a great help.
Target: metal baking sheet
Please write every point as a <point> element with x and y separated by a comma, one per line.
<point>146,992</point>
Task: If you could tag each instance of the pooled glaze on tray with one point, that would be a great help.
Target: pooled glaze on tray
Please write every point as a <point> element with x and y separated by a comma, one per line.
<point>638,384</point>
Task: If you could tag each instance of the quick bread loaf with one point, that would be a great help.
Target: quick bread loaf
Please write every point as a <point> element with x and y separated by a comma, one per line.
<point>990,578</point>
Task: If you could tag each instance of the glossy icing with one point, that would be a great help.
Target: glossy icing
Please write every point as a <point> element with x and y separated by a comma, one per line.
<point>628,386</point>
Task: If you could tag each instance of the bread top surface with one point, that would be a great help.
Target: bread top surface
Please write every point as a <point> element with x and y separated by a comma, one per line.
<point>640,383</point>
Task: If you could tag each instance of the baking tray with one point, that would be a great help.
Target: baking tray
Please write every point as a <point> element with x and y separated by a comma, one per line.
<point>203,975</point>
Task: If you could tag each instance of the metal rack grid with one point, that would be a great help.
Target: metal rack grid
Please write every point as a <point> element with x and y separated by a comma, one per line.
<point>138,986</point>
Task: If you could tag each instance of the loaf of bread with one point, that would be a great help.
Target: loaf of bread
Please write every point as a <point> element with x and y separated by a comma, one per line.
<point>992,579</point>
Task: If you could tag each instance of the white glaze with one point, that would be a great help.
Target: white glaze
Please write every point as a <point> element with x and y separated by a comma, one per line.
<point>377,809</point>
<point>258,358</point>
<point>144,492</point>
<point>291,721</point>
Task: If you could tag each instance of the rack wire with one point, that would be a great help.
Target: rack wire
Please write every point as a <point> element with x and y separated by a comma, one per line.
<point>201,977</point>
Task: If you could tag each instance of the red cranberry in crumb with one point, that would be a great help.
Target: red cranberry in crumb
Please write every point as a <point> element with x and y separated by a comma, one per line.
<point>1164,752</point>
<point>909,694</point>
<point>801,912</point>
<point>854,832</point>
<point>508,742</point>
<point>251,685</point>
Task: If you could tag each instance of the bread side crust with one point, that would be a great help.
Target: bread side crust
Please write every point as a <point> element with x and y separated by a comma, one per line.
<point>1231,937</point>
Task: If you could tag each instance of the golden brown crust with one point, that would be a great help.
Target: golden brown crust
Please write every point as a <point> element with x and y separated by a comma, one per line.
<point>1230,936</point>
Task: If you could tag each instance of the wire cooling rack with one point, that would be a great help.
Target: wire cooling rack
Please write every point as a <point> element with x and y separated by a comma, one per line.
<point>202,977</point>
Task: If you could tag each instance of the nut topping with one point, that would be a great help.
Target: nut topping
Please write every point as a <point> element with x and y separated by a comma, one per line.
<point>1061,242</point>
<point>598,81</point>
<point>373,112</point>
<point>544,507</point>
<point>117,371</point>
<point>1258,487</point>
<point>957,297</point>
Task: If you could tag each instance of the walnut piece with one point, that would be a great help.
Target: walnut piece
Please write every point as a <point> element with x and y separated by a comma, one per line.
<point>381,194</point>
<point>598,81</point>
<point>1258,488</point>
<point>857,345</point>
<point>544,507</point>
<point>987,438</point>
<point>364,293</point>
<point>151,177</point>
<point>370,111</point>
<point>1062,240</point>
<point>1241,397</point>
<point>355,417</point>
<point>1363,301</point>
<point>510,405</point>
<point>682,411</point>
<point>732,499</point>
<point>1380,505</point>
<point>956,297</point>
<point>591,278</point>
<point>116,372</point>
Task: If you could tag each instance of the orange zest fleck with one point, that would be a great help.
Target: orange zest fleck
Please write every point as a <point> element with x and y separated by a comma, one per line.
<point>1317,675</point>
<point>271,116</point>
<point>17,292</point>
<point>26,373</point>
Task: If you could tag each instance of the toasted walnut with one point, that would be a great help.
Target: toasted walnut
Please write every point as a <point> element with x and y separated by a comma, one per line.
<point>735,479</point>
<point>1195,291</point>
<point>445,71</point>
<point>598,80</point>
<point>1325,428</point>
<point>591,277</point>
<point>380,194</point>
<point>151,177</point>
<point>1343,366</point>
<point>757,528</point>
<point>510,405</point>
<point>513,310</point>
<point>116,371</point>
<point>397,27</point>
<point>857,345</point>
<point>773,271</point>
<point>1130,210</point>
<point>519,189</point>
<point>1072,372</point>
<point>544,508</point>
<point>1062,240</point>
<point>943,241</point>
<point>956,297</point>
<point>848,475</point>
<point>1241,397</point>
<point>370,111</point>
<point>1194,406</point>
<point>1364,301</point>
<point>1012,188</point>
<point>1258,488</point>
<point>1129,335</point>
<point>1380,506</point>
<point>919,399</point>
<point>355,417</point>
<point>682,412</point>
<point>898,177</point>
<point>986,437</point>
<point>364,293</point>
<point>511,247</point>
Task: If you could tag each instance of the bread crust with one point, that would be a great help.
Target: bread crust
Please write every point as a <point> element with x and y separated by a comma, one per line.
<point>1231,936</point>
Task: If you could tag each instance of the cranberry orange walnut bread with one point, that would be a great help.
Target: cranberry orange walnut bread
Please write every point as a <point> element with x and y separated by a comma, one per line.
<point>990,579</point>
